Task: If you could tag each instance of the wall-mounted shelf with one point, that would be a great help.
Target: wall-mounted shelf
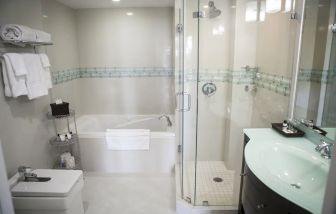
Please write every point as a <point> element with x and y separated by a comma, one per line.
<point>24,43</point>
<point>69,145</point>
<point>55,141</point>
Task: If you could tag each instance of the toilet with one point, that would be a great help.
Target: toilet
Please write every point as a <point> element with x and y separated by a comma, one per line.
<point>62,194</point>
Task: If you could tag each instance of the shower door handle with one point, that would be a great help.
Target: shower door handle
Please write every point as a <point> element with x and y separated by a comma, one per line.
<point>182,95</point>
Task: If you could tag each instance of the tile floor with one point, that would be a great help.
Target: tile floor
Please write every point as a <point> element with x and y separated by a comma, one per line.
<point>215,193</point>
<point>129,194</point>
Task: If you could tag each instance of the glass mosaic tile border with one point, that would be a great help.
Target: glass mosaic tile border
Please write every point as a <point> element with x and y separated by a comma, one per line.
<point>277,84</point>
<point>317,76</point>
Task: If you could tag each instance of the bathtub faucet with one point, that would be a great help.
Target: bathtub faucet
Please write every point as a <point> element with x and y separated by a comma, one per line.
<point>170,124</point>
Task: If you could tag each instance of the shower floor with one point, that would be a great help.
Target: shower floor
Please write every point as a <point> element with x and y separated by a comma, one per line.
<point>208,191</point>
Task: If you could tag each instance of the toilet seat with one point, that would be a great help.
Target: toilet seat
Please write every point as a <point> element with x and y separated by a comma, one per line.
<point>60,195</point>
<point>60,185</point>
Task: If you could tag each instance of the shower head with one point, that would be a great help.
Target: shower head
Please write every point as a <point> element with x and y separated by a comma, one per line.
<point>213,11</point>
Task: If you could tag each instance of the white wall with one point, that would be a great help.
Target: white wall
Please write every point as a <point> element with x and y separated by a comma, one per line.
<point>110,38</point>
<point>24,129</point>
<point>60,22</point>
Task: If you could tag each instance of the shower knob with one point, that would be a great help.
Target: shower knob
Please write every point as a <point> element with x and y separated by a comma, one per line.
<point>209,89</point>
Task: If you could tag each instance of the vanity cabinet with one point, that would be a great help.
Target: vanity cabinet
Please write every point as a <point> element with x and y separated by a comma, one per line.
<point>256,197</point>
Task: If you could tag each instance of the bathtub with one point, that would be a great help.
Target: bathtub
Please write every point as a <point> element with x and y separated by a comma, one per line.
<point>95,157</point>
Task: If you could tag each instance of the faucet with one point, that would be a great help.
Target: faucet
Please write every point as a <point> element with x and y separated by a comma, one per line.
<point>170,124</point>
<point>325,149</point>
<point>26,174</point>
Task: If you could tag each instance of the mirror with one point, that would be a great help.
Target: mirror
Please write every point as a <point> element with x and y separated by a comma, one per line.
<point>315,102</point>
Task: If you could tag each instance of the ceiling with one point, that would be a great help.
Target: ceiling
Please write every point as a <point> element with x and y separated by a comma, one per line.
<point>81,4</point>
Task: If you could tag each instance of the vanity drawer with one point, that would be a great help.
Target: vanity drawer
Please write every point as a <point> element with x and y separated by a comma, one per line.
<point>258,198</point>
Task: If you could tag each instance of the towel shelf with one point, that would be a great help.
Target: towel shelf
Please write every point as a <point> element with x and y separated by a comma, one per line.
<point>24,43</point>
<point>55,141</point>
<point>52,117</point>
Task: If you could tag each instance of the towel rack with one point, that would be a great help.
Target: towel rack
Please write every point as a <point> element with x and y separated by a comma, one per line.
<point>24,43</point>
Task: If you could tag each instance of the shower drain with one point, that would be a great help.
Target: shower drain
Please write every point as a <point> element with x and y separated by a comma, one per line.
<point>217,179</point>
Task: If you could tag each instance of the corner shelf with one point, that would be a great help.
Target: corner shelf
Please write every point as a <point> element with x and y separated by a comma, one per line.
<point>52,117</point>
<point>55,141</point>
<point>69,145</point>
<point>77,165</point>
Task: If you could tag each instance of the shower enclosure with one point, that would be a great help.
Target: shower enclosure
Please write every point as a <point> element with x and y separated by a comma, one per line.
<point>219,53</point>
<point>204,90</point>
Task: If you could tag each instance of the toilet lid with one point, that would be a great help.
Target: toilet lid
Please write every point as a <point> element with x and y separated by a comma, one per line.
<point>60,185</point>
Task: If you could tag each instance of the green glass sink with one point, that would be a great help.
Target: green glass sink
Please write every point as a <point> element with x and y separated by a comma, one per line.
<point>289,166</point>
<point>295,167</point>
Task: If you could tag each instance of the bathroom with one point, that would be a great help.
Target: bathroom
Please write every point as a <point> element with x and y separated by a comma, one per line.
<point>172,106</point>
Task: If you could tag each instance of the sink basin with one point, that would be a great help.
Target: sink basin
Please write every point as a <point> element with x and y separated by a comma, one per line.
<point>296,167</point>
<point>289,166</point>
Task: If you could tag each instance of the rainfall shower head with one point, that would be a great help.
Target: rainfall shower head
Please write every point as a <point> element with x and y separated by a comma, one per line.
<point>213,11</point>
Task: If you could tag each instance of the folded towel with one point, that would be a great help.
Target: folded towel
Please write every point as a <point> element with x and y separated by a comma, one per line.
<point>15,84</point>
<point>10,32</point>
<point>35,78</point>
<point>42,36</point>
<point>8,91</point>
<point>17,63</point>
<point>46,65</point>
<point>45,60</point>
<point>127,139</point>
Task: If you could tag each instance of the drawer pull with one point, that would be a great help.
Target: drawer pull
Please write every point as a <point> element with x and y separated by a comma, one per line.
<point>243,174</point>
<point>260,206</point>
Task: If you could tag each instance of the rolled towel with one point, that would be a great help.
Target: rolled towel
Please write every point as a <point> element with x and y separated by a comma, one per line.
<point>14,32</point>
<point>42,36</point>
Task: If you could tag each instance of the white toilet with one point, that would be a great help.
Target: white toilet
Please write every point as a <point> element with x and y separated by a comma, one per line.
<point>61,195</point>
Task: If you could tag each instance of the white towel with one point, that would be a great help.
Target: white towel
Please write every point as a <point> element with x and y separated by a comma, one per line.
<point>127,139</point>
<point>42,36</point>
<point>10,32</point>
<point>46,65</point>
<point>45,60</point>
<point>8,91</point>
<point>16,84</point>
<point>18,64</point>
<point>35,78</point>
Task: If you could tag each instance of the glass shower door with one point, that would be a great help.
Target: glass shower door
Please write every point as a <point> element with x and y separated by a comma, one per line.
<point>214,176</point>
<point>186,96</point>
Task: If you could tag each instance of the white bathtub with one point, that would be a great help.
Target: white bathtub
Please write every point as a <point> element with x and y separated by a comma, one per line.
<point>94,154</point>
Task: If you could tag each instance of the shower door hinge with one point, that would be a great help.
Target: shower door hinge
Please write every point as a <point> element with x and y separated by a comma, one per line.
<point>179,148</point>
<point>179,28</point>
<point>198,14</point>
<point>293,16</point>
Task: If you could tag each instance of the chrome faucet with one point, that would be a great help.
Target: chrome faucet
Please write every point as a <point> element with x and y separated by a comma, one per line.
<point>325,149</point>
<point>25,173</point>
<point>170,124</point>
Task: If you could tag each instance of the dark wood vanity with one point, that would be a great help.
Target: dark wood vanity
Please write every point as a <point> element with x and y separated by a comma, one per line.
<point>256,197</point>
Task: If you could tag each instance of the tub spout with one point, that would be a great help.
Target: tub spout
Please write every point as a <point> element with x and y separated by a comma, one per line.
<point>169,123</point>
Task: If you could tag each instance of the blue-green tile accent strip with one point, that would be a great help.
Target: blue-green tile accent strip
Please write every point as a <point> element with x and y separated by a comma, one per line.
<point>271,82</point>
<point>277,84</point>
<point>109,72</point>
<point>65,75</point>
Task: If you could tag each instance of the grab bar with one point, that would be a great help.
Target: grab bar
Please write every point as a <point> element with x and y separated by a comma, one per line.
<point>183,94</point>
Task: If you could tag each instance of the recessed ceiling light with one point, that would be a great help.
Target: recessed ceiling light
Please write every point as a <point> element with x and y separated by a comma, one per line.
<point>206,6</point>
<point>129,14</point>
<point>115,0</point>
